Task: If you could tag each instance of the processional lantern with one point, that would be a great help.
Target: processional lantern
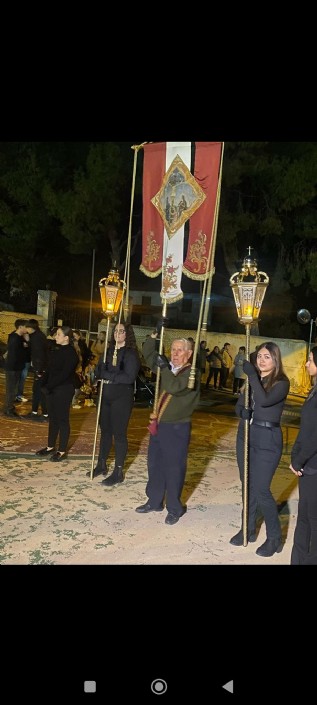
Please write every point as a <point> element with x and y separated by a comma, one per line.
<point>111,293</point>
<point>249,287</point>
<point>248,295</point>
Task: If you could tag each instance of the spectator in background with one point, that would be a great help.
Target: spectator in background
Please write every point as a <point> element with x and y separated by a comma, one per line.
<point>20,398</point>
<point>238,374</point>
<point>98,347</point>
<point>14,363</point>
<point>83,347</point>
<point>215,359</point>
<point>39,359</point>
<point>225,365</point>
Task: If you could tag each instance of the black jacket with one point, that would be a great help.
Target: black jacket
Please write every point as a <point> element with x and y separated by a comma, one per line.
<point>126,369</point>
<point>17,354</point>
<point>304,453</point>
<point>266,405</point>
<point>39,351</point>
<point>61,367</point>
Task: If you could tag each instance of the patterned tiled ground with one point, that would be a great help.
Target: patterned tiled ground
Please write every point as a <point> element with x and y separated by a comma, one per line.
<point>50,513</point>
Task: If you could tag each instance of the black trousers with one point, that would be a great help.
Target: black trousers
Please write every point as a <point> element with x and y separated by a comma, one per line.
<point>115,412</point>
<point>265,450</point>
<point>58,405</point>
<point>214,373</point>
<point>167,461</point>
<point>237,384</point>
<point>37,397</point>
<point>224,374</point>
<point>304,551</point>
<point>12,380</point>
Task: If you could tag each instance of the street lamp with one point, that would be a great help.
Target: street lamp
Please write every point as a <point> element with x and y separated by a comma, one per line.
<point>304,316</point>
<point>111,293</point>
<point>249,287</point>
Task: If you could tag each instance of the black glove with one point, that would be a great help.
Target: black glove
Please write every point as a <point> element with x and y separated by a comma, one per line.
<point>160,324</point>
<point>246,414</point>
<point>249,369</point>
<point>161,361</point>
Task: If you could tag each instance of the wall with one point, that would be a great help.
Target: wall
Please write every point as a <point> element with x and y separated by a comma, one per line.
<point>294,352</point>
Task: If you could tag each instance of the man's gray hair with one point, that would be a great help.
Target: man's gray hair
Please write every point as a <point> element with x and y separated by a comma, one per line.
<point>187,343</point>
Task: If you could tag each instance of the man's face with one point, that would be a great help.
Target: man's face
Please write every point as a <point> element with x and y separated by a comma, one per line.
<point>179,355</point>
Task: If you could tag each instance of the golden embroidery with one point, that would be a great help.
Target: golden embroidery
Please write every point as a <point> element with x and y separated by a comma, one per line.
<point>197,253</point>
<point>152,250</point>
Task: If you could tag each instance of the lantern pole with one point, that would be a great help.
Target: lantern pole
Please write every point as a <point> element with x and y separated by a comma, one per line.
<point>248,296</point>
<point>111,292</point>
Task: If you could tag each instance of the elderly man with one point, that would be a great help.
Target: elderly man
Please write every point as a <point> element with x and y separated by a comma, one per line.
<point>170,429</point>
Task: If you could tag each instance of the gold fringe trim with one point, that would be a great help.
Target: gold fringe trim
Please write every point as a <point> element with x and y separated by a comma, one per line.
<point>172,300</point>
<point>148,273</point>
<point>198,277</point>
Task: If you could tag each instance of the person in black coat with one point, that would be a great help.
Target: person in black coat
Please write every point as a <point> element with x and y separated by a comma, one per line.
<point>117,400</point>
<point>269,387</point>
<point>304,465</point>
<point>14,363</point>
<point>39,359</point>
<point>59,386</point>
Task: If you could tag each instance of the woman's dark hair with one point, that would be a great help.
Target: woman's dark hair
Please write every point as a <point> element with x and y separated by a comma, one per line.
<point>69,332</point>
<point>314,354</point>
<point>277,373</point>
<point>130,341</point>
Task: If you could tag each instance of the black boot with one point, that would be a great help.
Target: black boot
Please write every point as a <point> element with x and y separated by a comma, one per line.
<point>269,547</point>
<point>237,539</point>
<point>100,469</point>
<point>115,477</point>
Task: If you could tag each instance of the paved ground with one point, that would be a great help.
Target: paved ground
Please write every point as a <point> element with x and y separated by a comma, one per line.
<point>52,514</point>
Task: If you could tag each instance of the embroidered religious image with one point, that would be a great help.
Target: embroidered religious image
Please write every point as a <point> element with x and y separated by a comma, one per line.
<point>179,196</point>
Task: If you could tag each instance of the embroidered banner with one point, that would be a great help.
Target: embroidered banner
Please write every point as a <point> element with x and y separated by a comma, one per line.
<point>203,222</point>
<point>172,194</point>
<point>154,168</point>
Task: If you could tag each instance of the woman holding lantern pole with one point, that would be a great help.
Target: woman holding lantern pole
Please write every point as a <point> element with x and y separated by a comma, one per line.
<point>119,374</point>
<point>269,387</point>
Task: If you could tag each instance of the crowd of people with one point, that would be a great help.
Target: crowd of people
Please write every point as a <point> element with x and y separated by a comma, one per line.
<point>57,360</point>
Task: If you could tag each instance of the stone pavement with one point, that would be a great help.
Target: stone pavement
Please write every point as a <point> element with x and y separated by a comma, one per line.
<point>52,514</point>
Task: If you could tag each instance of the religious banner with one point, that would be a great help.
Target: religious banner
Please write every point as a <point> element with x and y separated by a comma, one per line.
<point>180,183</point>
<point>154,168</point>
<point>203,222</point>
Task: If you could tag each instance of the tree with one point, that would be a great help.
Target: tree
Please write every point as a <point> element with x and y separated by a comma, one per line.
<point>268,201</point>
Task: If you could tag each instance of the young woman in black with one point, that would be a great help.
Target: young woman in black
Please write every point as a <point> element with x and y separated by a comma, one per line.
<point>117,400</point>
<point>269,387</point>
<point>304,465</point>
<point>59,386</point>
